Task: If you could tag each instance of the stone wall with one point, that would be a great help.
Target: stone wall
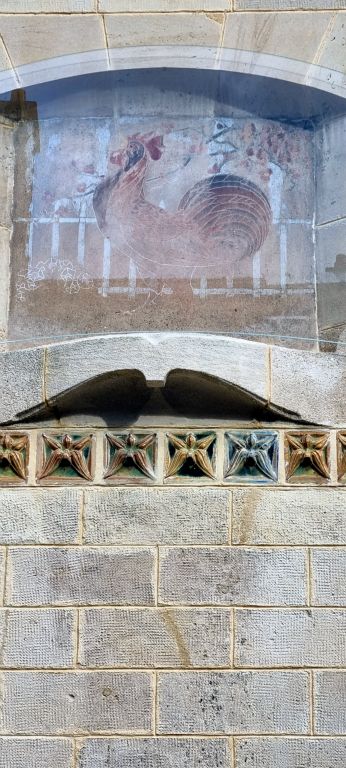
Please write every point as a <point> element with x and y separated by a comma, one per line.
<point>174,600</point>
<point>176,616</point>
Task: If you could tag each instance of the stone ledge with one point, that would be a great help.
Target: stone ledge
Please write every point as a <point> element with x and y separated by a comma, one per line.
<point>295,386</point>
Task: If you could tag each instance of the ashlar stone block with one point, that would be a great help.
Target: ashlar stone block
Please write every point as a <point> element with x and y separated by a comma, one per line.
<point>37,638</point>
<point>154,753</point>
<point>288,5</point>
<point>151,637</point>
<point>330,702</point>
<point>330,180</point>
<point>293,638</point>
<point>142,6</point>
<point>7,172</point>
<point>294,37</point>
<point>230,576</point>
<point>312,516</point>
<point>157,516</point>
<point>329,577</point>
<point>35,753</point>
<point>33,516</point>
<point>5,236</point>
<point>233,702</point>
<point>21,374</point>
<point>160,29</point>
<point>76,702</point>
<point>35,38</point>
<point>309,383</point>
<point>48,6</point>
<point>290,753</point>
<point>2,571</point>
<point>72,576</point>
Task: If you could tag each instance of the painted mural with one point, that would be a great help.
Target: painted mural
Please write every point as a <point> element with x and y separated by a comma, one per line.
<point>154,218</point>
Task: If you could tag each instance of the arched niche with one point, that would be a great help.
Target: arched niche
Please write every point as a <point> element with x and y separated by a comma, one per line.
<point>87,261</point>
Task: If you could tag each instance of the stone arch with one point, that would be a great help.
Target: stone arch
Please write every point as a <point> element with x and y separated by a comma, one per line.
<point>273,65</point>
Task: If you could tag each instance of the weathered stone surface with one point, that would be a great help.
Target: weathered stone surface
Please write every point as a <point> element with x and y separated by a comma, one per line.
<point>35,753</point>
<point>38,37</point>
<point>292,516</point>
<point>229,576</point>
<point>33,516</point>
<point>21,375</point>
<point>154,753</point>
<point>49,576</point>
<point>293,36</point>
<point>155,637</point>
<point>157,516</point>
<point>312,384</point>
<point>330,268</point>
<point>37,638</point>
<point>2,572</point>
<point>243,363</point>
<point>6,174</point>
<point>330,703</point>
<point>141,6</point>
<point>76,702</point>
<point>233,702</point>
<point>290,753</point>
<point>293,638</point>
<point>159,29</point>
<point>328,577</point>
<point>4,275</point>
<point>47,6</point>
<point>288,5</point>
<point>332,53</point>
<point>330,180</point>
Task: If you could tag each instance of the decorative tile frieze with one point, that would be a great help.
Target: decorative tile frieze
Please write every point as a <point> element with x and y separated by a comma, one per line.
<point>67,458</point>
<point>190,455</point>
<point>130,457</point>
<point>251,456</point>
<point>307,456</point>
<point>341,456</point>
<point>157,456</point>
<point>14,457</point>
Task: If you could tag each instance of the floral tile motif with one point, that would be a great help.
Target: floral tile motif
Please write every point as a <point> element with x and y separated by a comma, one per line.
<point>307,457</point>
<point>190,455</point>
<point>341,454</point>
<point>66,458</point>
<point>130,457</point>
<point>14,457</point>
<point>251,456</point>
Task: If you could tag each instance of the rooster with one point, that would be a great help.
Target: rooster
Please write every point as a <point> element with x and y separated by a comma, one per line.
<point>219,221</point>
